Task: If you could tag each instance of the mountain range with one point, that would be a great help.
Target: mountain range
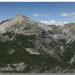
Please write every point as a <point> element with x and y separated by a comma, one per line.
<point>29,46</point>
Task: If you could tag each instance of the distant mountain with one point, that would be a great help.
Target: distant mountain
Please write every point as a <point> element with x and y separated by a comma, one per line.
<point>29,46</point>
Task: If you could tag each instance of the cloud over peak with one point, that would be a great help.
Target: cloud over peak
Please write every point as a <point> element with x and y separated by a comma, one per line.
<point>54,22</point>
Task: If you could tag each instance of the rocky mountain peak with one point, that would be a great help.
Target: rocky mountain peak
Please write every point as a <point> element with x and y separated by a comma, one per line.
<point>21,23</point>
<point>20,17</point>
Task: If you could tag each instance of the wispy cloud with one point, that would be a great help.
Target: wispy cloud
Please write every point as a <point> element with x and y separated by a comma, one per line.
<point>54,22</point>
<point>72,14</point>
<point>36,15</point>
<point>40,15</point>
<point>64,14</point>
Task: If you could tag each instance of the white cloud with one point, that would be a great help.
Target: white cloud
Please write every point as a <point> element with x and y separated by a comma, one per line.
<point>72,14</point>
<point>54,22</point>
<point>36,15</point>
<point>40,15</point>
<point>48,22</point>
<point>64,14</point>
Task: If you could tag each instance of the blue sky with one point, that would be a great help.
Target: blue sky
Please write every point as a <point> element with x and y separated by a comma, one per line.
<point>44,12</point>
